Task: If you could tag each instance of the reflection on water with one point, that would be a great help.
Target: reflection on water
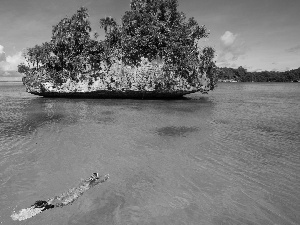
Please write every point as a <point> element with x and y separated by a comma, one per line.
<point>27,116</point>
<point>230,157</point>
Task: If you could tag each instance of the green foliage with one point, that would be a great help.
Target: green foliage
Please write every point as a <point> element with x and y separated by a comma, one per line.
<point>36,56</point>
<point>22,68</point>
<point>156,28</point>
<point>112,42</point>
<point>70,52</point>
<point>241,74</point>
<point>70,39</point>
<point>152,29</point>
<point>208,66</point>
<point>108,23</point>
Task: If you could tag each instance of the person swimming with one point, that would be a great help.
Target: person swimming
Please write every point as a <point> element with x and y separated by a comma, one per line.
<point>61,200</point>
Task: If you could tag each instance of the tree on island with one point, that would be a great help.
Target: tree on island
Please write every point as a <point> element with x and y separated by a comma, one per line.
<point>151,29</point>
<point>156,28</point>
<point>242,75</point>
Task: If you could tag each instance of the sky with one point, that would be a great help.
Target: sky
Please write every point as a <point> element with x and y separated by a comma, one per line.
<point>256,34</point>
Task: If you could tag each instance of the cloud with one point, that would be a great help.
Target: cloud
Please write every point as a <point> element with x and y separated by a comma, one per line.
<point>9,64</point>
<point>1,49</point>
<point>228,38</point>
<point>2,57</point>
<point>294,49</point>
<point>232,47</point>
<point>2,54</point>
<point>13,61</point>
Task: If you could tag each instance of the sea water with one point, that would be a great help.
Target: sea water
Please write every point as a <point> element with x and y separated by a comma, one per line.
<point>229,157</point>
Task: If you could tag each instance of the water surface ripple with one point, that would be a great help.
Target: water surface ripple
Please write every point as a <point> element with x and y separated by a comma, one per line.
<point>229,157</point>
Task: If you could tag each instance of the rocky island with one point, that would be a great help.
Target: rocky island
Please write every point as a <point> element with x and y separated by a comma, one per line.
<point>153,54</point>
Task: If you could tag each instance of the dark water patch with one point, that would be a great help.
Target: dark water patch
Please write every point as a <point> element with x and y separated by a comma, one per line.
<point>105,120</point>
<point>106,117</point>
<point>28,116</point>
<point>222,121</point>
<point>185,105</point>
<point>102,117</point>
<point>30,124</point>
<point>266,128</point>
<point>107,112</point>
<point>279,132</point>
<point>189,105</point>
<point>176,131</point>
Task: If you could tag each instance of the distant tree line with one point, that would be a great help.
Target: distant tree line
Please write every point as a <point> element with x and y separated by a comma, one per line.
<point>151,29</point>
<point>242,75</point>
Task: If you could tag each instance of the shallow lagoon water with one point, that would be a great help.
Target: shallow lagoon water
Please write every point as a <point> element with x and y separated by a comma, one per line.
<point>229,157</point>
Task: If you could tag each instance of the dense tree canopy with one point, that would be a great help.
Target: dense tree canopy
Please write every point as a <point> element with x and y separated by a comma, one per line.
<point>152,29</point>
<point>242,75</point>
<point>156,28</point>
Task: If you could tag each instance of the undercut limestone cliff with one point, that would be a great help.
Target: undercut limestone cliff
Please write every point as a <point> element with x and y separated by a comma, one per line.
<point>149,80</point>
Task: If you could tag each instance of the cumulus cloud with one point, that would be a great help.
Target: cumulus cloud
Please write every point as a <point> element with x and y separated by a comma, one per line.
<point>12,62</point>
<point>2,54</point>
<point>228,38</point>
<point>232,47</point>
<point>9,64</point>
<point>1,49</point>
<point>295,49</point>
